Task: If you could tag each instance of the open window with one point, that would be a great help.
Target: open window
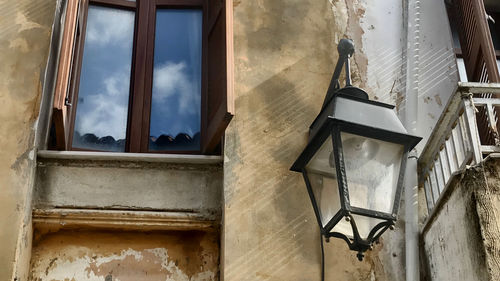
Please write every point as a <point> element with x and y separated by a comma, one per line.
<point>144,76</point>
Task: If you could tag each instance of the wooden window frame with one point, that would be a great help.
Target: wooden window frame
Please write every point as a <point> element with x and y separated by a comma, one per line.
<point>216,112</point>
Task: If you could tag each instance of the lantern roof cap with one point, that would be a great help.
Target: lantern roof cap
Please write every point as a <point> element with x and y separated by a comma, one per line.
<point>359,116</point>
<point>349,105</point>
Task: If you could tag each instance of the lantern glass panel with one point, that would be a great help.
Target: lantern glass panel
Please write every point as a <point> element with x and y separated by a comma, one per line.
<point>372,170</point>
<point>323,180</point>
<point>363,224</point>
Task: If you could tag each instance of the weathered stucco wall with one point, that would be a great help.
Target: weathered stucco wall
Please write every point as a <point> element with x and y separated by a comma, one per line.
<point>462,238</point>
<point>284,56</point>
<point>171,196</point>
<point>452,241</point>
<point>80,255</point>
<point>25,27</point>
<point>126,219</point>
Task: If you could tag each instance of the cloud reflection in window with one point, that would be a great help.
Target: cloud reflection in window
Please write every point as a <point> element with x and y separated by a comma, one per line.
<point>103,95</point>
<point>176,98</point>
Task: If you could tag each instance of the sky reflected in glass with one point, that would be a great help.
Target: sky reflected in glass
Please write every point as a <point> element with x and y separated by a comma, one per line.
<point>103,95</point>
<point>176,97</point>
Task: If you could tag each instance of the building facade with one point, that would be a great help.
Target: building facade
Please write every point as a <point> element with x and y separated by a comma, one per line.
<point>215,200</point>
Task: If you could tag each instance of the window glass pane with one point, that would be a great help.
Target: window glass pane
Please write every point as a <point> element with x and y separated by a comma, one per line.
<point>103,95</point>
<point>176,98</point>
<point>372,171</point>
<point>323,180</point>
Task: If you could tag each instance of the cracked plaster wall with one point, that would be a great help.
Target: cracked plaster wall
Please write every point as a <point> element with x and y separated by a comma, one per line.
<point>285,53</point>
<point>25,27</point>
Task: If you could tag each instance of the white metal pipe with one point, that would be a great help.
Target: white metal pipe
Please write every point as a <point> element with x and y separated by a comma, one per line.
<point>411,117</point>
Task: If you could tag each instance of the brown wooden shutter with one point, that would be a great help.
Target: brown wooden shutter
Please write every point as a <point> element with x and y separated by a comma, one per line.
<point>60,115</point>
<point>479,58</point>
<point>218,102</point>
<point>475,40</point>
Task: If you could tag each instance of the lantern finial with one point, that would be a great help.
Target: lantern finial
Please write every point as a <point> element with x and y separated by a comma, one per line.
<point>346,50</point>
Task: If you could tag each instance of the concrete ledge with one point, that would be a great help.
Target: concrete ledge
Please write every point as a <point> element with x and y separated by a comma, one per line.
<point>114,219</point>
<point>123,181</point>
<point>476,87</point>
<point>134,157</point>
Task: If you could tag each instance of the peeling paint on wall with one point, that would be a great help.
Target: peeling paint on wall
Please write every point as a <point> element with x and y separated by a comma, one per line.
<point>118,256</point>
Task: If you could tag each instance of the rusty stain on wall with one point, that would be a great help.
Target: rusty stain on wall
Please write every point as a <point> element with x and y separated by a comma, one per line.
<point>126,256</point>
<point>438,100</point>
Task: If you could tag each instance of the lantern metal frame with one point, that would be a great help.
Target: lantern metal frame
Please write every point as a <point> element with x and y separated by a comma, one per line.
<point>326,125</point>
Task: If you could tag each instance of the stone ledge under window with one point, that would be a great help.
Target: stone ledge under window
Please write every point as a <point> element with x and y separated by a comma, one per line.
<point>189,184</point>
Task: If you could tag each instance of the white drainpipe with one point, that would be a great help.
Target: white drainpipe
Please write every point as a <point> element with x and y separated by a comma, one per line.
<point>411,180</point>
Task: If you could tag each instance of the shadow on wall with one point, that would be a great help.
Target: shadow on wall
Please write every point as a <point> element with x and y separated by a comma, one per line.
<point>284,59</point>
<point>271,25</point>
<point>266,134</point>
<point>271,133</point>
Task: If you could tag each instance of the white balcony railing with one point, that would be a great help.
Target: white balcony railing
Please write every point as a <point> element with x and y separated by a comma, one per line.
<point>465,133</point>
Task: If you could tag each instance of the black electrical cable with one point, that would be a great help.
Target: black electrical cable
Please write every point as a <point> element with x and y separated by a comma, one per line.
<point>322,258</point>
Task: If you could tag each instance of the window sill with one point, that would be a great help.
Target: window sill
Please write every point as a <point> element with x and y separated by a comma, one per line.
<point>130,157</point>
<point>190,184</point>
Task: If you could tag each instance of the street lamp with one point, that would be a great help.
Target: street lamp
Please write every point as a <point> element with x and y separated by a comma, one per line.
<point>354,162</point>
